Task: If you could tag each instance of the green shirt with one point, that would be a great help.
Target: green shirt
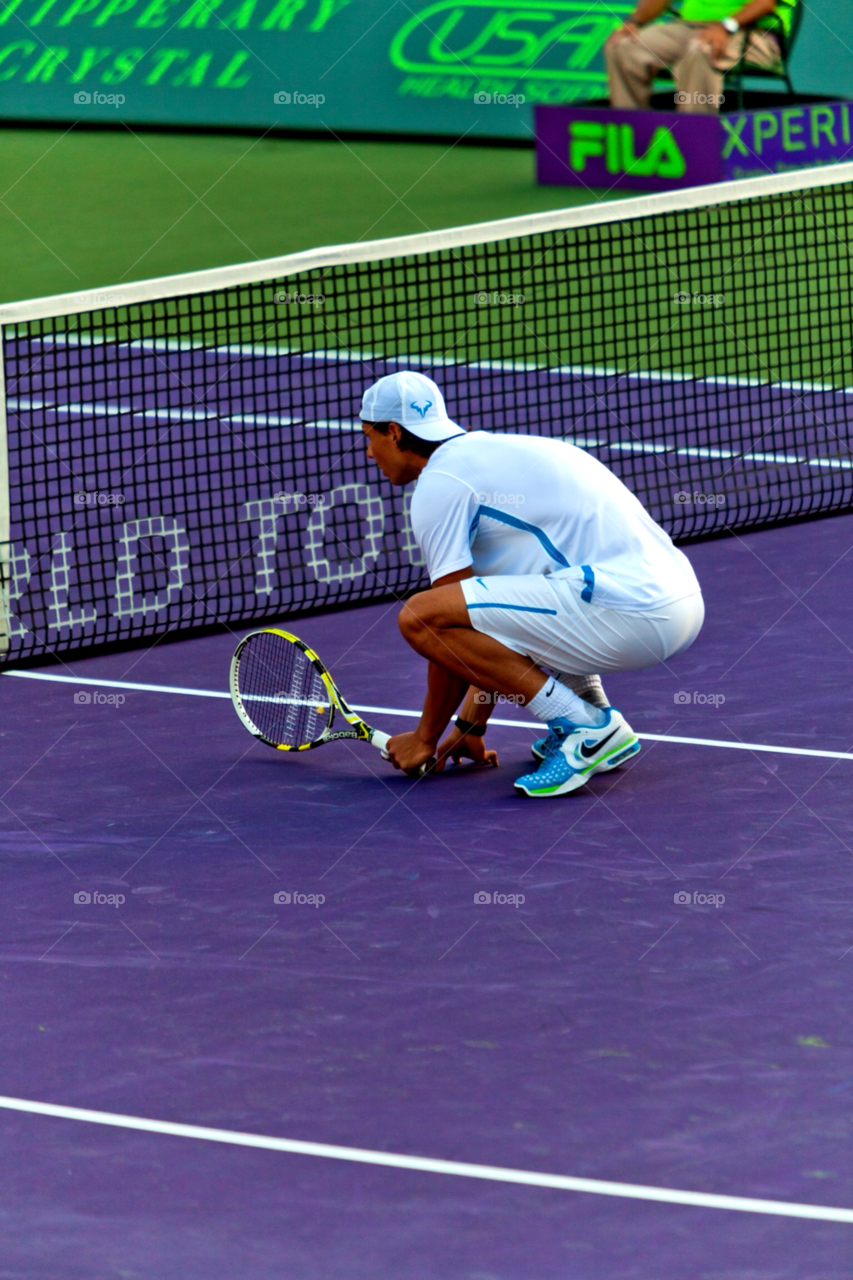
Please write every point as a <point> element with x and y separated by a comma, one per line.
<point>716,10</point>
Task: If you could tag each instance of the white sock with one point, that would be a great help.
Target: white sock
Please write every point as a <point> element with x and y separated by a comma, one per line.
<point>589,688</point>
<point>555,700</point>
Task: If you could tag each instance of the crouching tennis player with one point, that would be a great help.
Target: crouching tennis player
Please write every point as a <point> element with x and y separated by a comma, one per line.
<point>545,570</point>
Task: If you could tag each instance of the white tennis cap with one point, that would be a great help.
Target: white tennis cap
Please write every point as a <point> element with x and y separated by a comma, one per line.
<point>413,400</point>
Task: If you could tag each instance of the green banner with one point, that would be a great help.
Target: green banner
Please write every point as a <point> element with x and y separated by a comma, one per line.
<point>451,66</point>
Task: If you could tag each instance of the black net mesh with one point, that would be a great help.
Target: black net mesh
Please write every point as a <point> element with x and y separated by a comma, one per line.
<point>197,460</point>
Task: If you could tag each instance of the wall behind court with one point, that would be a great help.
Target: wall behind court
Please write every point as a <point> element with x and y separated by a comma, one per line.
<point>474,67</point>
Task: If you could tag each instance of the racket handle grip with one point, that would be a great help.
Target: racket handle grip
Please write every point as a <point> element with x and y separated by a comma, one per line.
<point>380,740</point>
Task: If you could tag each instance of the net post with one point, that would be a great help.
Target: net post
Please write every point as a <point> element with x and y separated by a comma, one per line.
<point>5,513</point>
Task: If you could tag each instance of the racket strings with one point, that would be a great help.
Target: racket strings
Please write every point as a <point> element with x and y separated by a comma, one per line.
<point>283,692</point>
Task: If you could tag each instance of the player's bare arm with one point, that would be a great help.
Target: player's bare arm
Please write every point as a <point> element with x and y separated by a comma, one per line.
<point>438,610</point>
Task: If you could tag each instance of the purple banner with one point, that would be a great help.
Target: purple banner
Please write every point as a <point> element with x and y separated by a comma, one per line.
<point>638,150</point>
<point>796,137</point>
<point>662,150</point>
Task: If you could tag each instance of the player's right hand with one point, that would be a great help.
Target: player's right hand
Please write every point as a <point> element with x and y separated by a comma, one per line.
<point>628,29</point>
<point>464,746</point>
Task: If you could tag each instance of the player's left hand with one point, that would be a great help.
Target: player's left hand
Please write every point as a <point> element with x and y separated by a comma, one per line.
<point>716,40</point>
<point>407,751</point>
<point>468,746</point>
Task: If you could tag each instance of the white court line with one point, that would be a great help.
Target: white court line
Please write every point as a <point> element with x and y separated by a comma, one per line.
<point>415,715</point>
<point>186,414</point>
<point>779,459</point>
<point>272,351</point>
<point>119,684</point>
<point>423,1164</point>
<point>198,414</point>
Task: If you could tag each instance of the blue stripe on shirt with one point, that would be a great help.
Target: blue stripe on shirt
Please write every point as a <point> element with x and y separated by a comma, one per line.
<point>503,517</point>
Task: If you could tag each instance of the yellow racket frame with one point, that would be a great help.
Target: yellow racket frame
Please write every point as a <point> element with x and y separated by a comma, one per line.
<point>358,728</point>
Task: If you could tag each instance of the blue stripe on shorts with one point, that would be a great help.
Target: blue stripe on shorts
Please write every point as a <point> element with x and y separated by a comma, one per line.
<point>518,608</point>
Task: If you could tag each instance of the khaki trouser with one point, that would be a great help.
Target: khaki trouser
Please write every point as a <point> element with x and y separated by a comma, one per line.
<point>632,64</point>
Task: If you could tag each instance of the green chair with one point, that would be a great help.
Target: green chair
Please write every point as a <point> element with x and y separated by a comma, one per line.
<point>742,69</point>
<point>736,75</point>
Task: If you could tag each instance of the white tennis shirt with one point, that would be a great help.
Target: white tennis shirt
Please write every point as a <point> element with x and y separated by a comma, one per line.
<point>519,504</point>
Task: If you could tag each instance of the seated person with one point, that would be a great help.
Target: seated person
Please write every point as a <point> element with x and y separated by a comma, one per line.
<point>706,39</point>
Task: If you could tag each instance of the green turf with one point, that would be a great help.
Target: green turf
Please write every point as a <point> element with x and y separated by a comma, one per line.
<point>85,210</point>
<point>80,210</point>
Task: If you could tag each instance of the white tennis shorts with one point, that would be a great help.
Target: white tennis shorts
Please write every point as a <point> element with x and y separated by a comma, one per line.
<point>545,618</point>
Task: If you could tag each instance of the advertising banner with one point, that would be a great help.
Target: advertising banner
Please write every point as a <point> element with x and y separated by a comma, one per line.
<point>448,66</point>
<point>664,150</point>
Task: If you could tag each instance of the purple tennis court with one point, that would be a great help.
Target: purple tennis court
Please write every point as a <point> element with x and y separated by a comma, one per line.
<point>297,1014</point>
<point>586,1023</point>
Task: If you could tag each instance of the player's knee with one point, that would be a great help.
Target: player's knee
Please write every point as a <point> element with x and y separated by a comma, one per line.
<point>413,619</point>
<point>696,54</point>
<point>614,51</point>
<point>628,56</point>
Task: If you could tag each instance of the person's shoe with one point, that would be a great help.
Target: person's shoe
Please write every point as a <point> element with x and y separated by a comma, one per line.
<point>579,751</point>
<point>543,747</point>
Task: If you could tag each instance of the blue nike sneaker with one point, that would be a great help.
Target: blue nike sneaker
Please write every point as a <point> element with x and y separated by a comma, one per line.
<point>543,747</point>
<point>579,751</point>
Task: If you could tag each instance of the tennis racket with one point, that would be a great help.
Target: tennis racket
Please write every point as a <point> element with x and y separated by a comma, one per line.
<point>285,697</point>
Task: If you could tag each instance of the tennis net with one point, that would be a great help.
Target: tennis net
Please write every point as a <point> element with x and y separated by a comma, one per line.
<point>185,452</point>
